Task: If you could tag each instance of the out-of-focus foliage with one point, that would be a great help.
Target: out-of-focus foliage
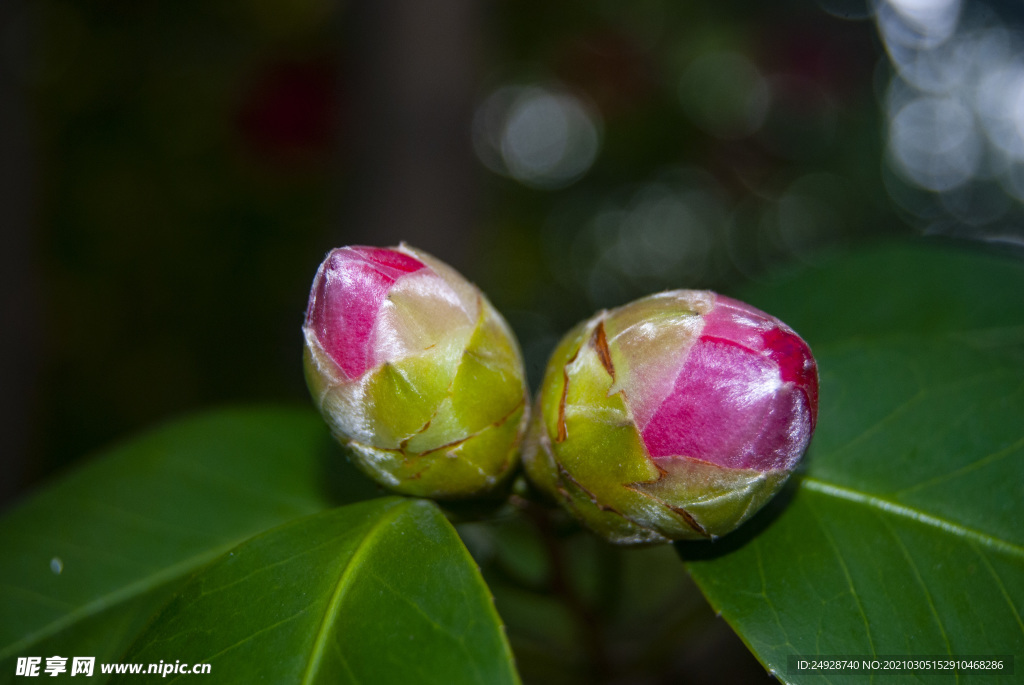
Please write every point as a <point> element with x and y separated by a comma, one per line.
<point>187,154</point>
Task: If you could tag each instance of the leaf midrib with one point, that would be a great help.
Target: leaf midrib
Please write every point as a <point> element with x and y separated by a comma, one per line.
<point>893,508</point>
<point>345,580</point>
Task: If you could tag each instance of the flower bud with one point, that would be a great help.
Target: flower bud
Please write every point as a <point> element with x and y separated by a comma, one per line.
<point>674,417</point>
<point>415,371</point>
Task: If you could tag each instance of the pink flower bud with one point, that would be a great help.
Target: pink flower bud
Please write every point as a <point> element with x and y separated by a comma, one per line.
<point>676,416</point>
<point>414,370</point>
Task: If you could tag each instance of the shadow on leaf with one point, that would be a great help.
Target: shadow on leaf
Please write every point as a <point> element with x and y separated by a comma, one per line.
<point>712,549</point>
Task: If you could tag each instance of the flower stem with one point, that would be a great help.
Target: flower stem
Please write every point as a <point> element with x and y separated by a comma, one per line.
<point>590,622</point>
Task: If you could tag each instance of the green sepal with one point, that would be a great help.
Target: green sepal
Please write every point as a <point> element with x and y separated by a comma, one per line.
<point>602,449</point>
<point>538,463</point>
<point>719,499</point>
<point>480,462</point>
<point>402,396</point>
<point>490,380</point>
<point>488,385</point>
<point>603,519</point>
<point>316,381</point>
<point>550,397</point>
<point>469,467</point>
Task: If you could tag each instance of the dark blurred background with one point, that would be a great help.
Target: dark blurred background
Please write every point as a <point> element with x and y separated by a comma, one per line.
<point>172,173</point>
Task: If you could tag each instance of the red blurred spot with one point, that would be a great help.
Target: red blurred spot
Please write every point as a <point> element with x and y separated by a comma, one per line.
<point>837,57</point>
<point>290,114</point>
<point>610,68</point>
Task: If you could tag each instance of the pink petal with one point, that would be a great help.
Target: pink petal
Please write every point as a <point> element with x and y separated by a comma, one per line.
<point>347,294</point>
<point>737,321</point>
<point>746,396</point>
<point>796,365</point>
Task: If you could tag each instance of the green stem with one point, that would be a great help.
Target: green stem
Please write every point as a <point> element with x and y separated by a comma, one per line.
<point>590,623</point>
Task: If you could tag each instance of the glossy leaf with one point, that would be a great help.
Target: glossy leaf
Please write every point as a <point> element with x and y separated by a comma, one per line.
<point>903,535</point>
<point>376,592</point>
<point>908,289</point>
<point>88,560</point>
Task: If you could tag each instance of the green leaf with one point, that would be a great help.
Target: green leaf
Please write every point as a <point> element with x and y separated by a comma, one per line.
<point>915,289</point>
<point>87,561</point>
<point>903,536</point>
<point>375,592</point>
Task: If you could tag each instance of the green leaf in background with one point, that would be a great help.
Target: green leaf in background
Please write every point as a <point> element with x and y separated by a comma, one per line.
<point>903,536</point>
<point>88,560</point>
<point>912,289</point>
<point>376,592</point>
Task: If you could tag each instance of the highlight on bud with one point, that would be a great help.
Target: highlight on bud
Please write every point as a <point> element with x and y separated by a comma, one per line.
<point>674,417</point>
<point>415,371</point>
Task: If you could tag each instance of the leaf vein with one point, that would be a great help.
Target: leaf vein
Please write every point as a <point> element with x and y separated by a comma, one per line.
<point>973,466</point>
<point>890,507</point>
<point>1002,587</point>
<point>460,639</point>
<point>251,636</point>
<point>881,423</point>
<point>344,582</point>
<point>920,581</point>
<point>344,663</point>
<point>849,579</point>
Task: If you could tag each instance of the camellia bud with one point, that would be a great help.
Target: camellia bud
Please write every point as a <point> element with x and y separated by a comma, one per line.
<point>676,416</point>
<point>415,371</point>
